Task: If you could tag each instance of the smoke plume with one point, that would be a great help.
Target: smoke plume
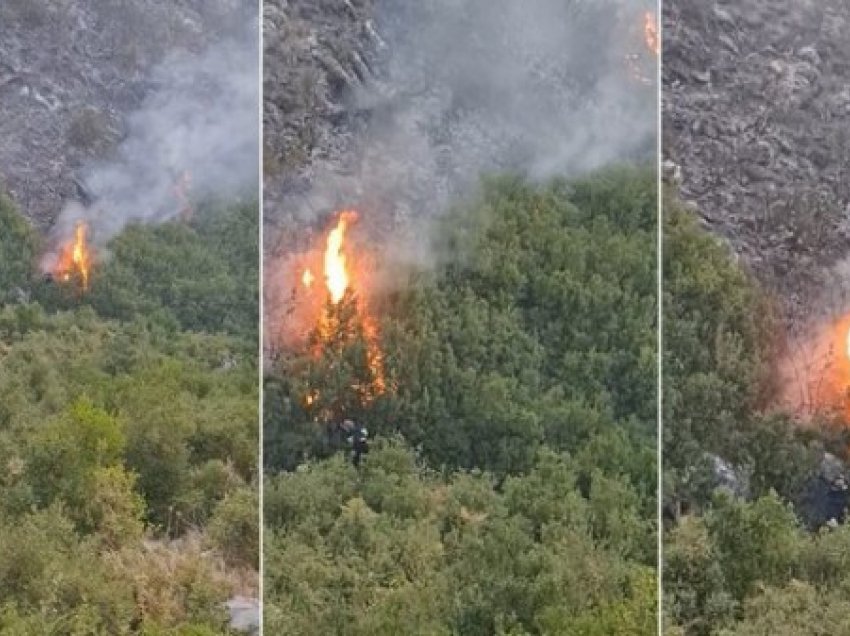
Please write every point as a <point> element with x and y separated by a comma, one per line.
<point>436,95</point>
<point>464,88</point>
<point>198,125</point>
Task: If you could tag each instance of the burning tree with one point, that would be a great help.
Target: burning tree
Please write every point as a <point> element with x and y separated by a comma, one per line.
<point>335,366</point>
<point>74,261</point>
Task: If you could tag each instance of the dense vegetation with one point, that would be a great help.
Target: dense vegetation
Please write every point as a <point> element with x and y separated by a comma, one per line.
<point>741,557</point>
<point>512,490</point>
<point>128,435</point>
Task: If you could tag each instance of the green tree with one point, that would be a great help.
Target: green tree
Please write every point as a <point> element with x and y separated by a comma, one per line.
<point>18,249</point>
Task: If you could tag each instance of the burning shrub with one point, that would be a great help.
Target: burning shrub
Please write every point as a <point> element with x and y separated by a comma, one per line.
<point>472,358</point>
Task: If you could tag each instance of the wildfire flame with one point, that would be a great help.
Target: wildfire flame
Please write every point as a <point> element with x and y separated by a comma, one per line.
<point>346,278</point>
<point>75,257</point>
<point>847,345</point>
<point>336,273</point>
<point>639,68</point>
<point>816,371</point>
<point>650,32</point>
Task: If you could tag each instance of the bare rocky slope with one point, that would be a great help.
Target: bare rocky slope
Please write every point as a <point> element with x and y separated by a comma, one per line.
<point>756,115</point>
<point>70,73</point>
<point>401,106</point>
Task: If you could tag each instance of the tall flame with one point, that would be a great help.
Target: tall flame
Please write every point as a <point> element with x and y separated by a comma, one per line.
<point>319,307</point>
<point>336,273</point>
<point>75,257</point>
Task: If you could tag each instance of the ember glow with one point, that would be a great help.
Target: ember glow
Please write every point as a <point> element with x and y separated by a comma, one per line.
<point>641,66</point>
<point>650,31</point>
<point>816,372</point>
<point>307,278</point>
<point>75,258</point>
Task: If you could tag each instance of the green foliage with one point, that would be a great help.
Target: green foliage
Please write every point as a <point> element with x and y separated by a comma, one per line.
<point>400,549</point>
<point>735,566</point>
<point>537,328</point>
<point>18,248</point>
<point>716,340</point>
<point>52,577</point>
<point>64,456</point>
<point>205,277</point>
<point>235,526</point>
<point>127,425</point>
<point>720,343</point>
<point>749,568</point>
<point>522,370</point>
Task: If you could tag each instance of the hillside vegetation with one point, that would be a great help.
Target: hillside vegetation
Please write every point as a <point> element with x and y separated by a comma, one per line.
<point>740,553</point>
<point>511,487</point>
<point>128,434</point>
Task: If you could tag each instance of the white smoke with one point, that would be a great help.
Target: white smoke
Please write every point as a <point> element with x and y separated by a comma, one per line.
<point>201,118</point>
<point>469,87</point>
<point>463,88</point>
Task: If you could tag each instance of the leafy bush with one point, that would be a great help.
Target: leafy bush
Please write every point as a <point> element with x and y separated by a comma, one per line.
<point>523,374</point>
<point>735,566</point>
<point>399,549</point>
<point>127,416</point>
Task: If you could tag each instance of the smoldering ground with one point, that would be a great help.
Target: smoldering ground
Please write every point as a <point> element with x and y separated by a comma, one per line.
<point>197,129</point>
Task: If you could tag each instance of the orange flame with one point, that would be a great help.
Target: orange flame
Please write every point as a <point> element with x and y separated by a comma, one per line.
<point>336,273</point>
<point>815,372</point>
<point>345,275</point>
<point>650,31</point>
<point>307,278</point>
<point>75,257</point>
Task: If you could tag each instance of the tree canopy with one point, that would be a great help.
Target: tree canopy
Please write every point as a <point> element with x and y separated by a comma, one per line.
<point>513,487</point>
<point>128,431</point>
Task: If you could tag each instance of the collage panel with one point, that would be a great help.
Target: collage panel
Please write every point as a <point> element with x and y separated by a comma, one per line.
<point>442,317</point>
<point>756,114</point>
<point>129,313</point>
<point>460,317</point>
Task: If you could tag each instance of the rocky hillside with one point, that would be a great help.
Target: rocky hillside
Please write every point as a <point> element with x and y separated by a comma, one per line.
<point>317,56</point>
<point>70,73</point>
<point>757,128</point>
<point>398,107</point>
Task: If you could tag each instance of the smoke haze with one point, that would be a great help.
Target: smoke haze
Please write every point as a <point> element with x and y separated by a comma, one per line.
<point>200,118</point>
<point>406,105</point>
<point>463,88</point>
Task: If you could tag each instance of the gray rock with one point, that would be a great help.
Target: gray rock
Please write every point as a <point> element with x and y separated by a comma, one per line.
<point>729,478</point>
<point>757,113</point>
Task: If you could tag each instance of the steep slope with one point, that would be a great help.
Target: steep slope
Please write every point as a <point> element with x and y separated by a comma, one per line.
<point>70,73</point>
<point>401,107</point>
<point>756,117</point>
